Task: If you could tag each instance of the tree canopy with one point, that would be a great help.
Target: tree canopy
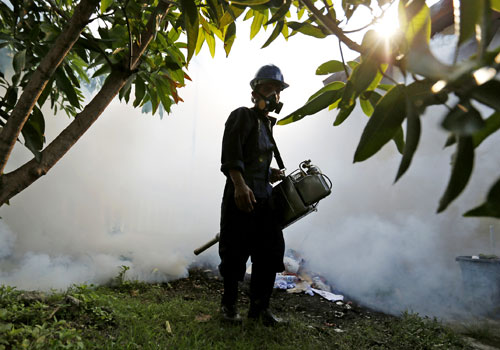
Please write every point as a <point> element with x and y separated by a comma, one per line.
<point>140,50</point>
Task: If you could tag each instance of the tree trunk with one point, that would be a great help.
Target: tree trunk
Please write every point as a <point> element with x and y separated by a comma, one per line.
<point>41,76</point>
<point>19,179</point>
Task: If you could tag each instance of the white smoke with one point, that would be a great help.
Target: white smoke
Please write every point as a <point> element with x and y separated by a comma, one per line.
<point>144,192</point>
<point>383,243</point>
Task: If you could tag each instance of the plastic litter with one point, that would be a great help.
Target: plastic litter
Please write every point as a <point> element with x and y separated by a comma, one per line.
<point>328,295</point>
<point>291,265</point>
<point>320,283</point>
<point>297,280</point>
<point>285,281</point>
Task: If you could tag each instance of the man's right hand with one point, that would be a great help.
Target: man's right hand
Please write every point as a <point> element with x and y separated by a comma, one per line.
<point>244,198</point>
<point>243,195</point>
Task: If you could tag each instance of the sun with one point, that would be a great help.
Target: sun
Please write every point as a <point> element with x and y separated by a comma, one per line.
<point>388,24</point>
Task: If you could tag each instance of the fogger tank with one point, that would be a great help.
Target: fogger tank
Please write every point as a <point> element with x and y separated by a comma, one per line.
<point>299,193</point>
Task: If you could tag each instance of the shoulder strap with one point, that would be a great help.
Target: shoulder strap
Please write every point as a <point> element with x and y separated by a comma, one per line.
<point>277,154</point>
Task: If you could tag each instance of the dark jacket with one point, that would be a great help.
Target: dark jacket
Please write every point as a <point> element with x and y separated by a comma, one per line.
<point>247,147</point>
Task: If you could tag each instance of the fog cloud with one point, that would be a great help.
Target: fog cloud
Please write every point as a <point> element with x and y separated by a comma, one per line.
<point>144,192</point>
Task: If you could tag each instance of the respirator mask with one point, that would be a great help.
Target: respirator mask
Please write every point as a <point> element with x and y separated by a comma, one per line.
<point>269,104</point>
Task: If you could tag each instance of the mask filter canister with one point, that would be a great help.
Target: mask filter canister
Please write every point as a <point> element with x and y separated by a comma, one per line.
<point>269,104</point>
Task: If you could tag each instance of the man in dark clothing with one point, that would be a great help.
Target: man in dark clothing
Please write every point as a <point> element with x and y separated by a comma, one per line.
<point>249,227</point>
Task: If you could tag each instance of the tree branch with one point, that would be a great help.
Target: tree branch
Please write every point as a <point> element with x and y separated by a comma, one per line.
<point>149,32</point>
<point>330,25</point>
<point>85,35</point>
<point>41,76</point>
<point>343,60</point>
<point>16,181</point>
<point>130,45</point>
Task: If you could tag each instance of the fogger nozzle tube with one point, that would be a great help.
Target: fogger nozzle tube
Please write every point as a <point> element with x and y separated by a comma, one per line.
<point>207,245</point>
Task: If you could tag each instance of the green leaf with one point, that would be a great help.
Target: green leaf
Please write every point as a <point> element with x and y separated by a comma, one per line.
<point>33,132</point>
<point>105,69</point>
<point>229,37</point>
<point>45,93</point>
<point>200,41</point>
<point>495,5</point>
<point>413,130</point>
<point>366,106</point>
<point>164,92</point>
<point>461,171</point>
<point>216,31</point>
<point>343,114</point>
<point>153,95</point>
<point>249,14</point>
<point>140,89</point>
<point>71,75</point>
<point>215,11</point>
<point>336,85</point>
<point>421,95</point>
<point>363,75</point>
<point>77,64</point>
<point>491,125</point>
<point>330,67</point>
<point>313,106</point>
<point>378,77</point>
<point>209,37</point>
<point>281,13</point>
<point>105,4</point>
<point>348,97</point>
<point>125,90</point>
<point>490,208</point>
<point>300,12</point>
<point>284,31</point>
<point>19,61</point>
<point>488,94</point>
<point>451,140</point>
<point>64,84</point>
<point>383,124</point>
<point>11,97</point>
<point>352,64</point>
<point>232,13</point>
<point>368,100</point>
<point>374,47</point>
<point>399,140</point>
<point>467,17</point>
<point>277,30</point>
<point>307,29</point>
<point>463,120</point>
<point>415,20</point>
<point>258,20</point>
<point>192,24</point>
<point>249,2</point>
<point>385,87</point>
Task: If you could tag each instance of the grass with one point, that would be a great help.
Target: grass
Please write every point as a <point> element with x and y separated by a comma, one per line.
<point>134,315</point>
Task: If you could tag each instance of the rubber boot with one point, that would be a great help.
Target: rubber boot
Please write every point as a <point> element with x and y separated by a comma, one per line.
<point>229,311</point>
<point>261,288</point>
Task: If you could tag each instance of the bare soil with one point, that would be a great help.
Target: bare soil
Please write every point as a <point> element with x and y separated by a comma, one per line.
<point>316,310</point>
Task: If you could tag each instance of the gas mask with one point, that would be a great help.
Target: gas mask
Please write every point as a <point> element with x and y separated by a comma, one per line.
<point>269,104</point>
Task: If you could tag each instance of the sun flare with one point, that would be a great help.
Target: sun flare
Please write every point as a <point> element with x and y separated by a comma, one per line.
<point>387,27</point>
<point>388,24</point>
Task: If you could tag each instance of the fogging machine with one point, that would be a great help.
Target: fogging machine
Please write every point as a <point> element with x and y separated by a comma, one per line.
<point>296,196</point>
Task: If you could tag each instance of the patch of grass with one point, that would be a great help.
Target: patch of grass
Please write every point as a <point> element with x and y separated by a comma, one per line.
<point>132,315</point>
<point>481,331</point>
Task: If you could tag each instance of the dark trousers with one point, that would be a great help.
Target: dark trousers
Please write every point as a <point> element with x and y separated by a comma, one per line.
<point>257,235</point>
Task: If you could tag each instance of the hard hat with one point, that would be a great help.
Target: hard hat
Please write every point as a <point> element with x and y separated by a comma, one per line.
<point>268,73</point>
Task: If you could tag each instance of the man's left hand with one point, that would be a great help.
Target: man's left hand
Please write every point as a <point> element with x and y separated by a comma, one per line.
<point>276,175</point>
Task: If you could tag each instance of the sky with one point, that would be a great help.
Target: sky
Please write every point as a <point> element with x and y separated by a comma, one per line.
<point>144,192</point>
